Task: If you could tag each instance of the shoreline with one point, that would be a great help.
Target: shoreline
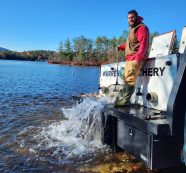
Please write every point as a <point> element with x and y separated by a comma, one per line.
<point>73,63</point>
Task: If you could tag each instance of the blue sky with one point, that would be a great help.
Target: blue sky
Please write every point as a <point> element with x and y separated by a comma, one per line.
<point>42,24</point>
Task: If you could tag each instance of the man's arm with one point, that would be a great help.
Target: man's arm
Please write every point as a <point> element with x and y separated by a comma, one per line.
<point>142,35</point>
<point>121,47</point>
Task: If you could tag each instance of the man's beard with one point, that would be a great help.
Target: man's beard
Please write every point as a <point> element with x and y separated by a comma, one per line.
<point>133,25</point>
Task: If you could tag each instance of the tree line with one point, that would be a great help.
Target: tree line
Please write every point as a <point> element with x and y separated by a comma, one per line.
<point>82,50</point>
<point>33,55</point>
<point>78,51</point>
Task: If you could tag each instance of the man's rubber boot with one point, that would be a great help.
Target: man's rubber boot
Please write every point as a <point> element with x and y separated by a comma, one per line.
<point>125,95</point>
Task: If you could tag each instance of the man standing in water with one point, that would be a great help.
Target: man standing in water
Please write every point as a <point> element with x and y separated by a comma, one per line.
<point>136,48</point>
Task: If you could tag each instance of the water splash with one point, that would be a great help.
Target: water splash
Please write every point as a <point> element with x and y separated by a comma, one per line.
<point>80,133</point>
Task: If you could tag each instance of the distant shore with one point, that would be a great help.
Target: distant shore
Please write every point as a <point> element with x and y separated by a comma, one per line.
<point>74,63</point>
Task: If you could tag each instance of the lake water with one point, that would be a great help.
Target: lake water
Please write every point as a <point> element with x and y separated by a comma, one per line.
<point>45,128</point>
<point>35,100</point>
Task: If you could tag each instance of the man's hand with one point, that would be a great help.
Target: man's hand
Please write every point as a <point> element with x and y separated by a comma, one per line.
<point>118,48</point>
<point>136,63</point>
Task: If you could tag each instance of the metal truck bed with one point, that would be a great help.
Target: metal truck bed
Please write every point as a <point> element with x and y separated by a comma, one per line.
<point>144,133</point>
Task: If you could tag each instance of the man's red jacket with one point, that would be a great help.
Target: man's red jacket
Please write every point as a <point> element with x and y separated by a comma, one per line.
<point>142,35</point>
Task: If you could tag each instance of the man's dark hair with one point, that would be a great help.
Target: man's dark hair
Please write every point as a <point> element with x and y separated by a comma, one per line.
<point>133,12</point>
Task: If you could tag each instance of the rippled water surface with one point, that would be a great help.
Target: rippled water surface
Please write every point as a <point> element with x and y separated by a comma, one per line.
<point>33,99</point>
<point>45,128</point>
